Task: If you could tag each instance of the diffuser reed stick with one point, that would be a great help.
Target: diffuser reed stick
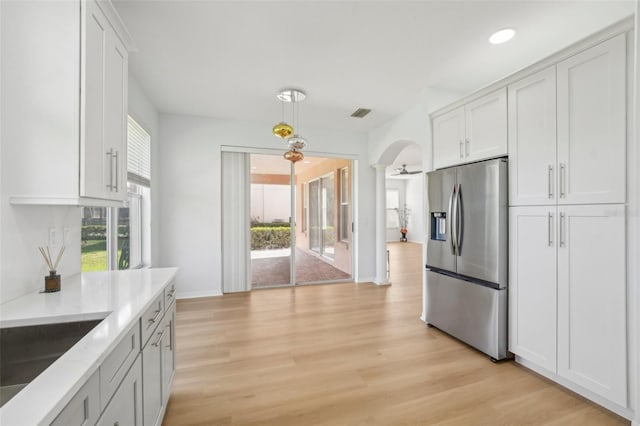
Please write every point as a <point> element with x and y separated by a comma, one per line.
<point>46,254</point>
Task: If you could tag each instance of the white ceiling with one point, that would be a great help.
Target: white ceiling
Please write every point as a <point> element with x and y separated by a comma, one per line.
<point>228,59</point>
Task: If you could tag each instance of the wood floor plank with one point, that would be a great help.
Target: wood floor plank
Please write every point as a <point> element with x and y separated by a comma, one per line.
<point>349,354</point>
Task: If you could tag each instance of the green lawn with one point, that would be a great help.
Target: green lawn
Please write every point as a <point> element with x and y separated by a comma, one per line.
<point>94,255</point>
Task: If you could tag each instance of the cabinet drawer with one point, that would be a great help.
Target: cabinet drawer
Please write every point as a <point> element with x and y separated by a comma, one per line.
<point>84,407</point>
<point>116,365</point>
<point>169,294</point>
<point>151,318</point>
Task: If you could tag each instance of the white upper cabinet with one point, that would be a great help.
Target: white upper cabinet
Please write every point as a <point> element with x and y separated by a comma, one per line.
<point>448,138</point>
<point>486,126</point>
<point>475,131</point>
<point>592,125</point>
<point>532,139</point>
<point>592,304</point>
<point>72,150</point>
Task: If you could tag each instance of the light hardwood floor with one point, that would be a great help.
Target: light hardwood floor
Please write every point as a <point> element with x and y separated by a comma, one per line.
<point>349,354</point>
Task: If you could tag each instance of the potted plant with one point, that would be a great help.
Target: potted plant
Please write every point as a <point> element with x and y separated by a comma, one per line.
<point>403,219</point>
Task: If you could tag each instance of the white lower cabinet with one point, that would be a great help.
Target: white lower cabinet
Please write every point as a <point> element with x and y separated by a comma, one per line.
<point>152,376</point>
<point>169,351</point>
<point>158,367</point>
<point>532,284</point>
<point>125,408</point>
<point>592,326</point>
<point>84,407</point>
<point>573,325</point>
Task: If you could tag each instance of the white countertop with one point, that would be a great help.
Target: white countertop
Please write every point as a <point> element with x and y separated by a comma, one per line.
<point>120,297</point>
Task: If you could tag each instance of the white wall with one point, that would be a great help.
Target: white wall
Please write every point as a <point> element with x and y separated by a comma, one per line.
<point>634,223</point>
<point>270,202</point>
<point>24,228</point>
<point>143,111</point>
<point>189,193</point>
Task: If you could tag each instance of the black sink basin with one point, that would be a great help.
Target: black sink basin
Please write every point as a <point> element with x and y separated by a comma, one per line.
<point>25,352</point>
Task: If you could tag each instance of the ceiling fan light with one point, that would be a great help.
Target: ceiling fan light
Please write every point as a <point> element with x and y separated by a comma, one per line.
<point>282,130</point>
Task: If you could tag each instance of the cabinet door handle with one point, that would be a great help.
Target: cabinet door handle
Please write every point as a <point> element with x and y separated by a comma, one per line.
<point>170,337</point>
<point>466,144</point>
<point>563,178</point>
<point>461,148</point>
<point>110,182</point>
<point>550,177</point>
<point>115,156</point>
<point>562,226</point>
<point>154,319</point>
<point>160,337</point>
<point>549,228</point>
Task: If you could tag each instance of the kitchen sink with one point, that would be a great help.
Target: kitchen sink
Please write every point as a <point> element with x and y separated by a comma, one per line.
<point>27,351</point>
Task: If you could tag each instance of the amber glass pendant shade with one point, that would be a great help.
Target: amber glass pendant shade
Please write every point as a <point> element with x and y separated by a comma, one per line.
<point>282,130</point>
<point>293,156</point>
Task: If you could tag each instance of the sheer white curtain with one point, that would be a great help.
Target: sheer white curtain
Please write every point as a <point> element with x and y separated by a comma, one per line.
<point>236,233</point>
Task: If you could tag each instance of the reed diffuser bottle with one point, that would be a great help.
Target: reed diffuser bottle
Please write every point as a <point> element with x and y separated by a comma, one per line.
<point>51,281</point>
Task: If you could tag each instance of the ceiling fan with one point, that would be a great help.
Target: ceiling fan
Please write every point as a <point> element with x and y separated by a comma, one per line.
<point>400,171</point>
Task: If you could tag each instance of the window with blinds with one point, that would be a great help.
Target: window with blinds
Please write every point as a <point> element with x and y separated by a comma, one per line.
<point>138,154</point>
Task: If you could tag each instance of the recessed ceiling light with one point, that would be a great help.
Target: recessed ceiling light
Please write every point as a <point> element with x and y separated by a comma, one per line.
<point>307,162</point>
<point>502,36</point>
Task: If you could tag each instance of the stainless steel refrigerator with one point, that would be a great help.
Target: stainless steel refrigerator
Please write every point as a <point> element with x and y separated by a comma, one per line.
<point>467,254</point>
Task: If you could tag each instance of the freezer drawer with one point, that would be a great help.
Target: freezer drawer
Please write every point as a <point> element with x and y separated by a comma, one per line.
<point>475,314</point>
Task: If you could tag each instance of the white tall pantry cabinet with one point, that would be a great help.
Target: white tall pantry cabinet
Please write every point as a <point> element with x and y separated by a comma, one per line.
<point>68,81</point>
<point>567,266</point>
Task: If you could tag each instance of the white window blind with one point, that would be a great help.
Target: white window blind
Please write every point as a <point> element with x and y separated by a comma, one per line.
<point>138,154</point>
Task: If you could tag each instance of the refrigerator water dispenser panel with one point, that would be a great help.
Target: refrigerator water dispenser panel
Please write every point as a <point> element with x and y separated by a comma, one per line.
<point>439,226</point>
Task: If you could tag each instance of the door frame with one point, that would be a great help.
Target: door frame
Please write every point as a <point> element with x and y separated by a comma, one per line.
<point>353,198</point>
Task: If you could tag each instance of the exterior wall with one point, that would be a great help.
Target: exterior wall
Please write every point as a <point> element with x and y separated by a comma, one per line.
<point>343,249</point>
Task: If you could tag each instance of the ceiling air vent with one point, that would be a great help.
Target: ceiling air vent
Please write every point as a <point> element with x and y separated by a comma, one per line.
<point>360,112</point>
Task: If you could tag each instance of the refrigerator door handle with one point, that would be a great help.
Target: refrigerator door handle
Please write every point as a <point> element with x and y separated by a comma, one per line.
<point>459,224</point>
<point>451,222</point>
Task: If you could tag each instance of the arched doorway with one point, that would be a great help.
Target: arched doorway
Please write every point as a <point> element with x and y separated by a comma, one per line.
<point>400,167</point>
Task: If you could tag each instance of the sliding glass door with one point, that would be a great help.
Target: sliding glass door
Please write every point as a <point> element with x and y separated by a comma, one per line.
<point>270,221</point>
<point>296,233</point>
<point>322,217</point>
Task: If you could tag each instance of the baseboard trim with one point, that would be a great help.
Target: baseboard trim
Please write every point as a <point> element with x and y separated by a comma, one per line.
<point>611,406</point>
<point>382,283</point>
<point>360,280</point>
<point>197,294</point>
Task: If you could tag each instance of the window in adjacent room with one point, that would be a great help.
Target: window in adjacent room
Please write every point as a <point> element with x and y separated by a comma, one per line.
<point>393,203</point>
<point>344,204</point>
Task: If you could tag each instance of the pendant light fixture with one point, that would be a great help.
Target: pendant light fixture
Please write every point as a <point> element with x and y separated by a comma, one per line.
<point>295,142</point>
<point>282,129</point>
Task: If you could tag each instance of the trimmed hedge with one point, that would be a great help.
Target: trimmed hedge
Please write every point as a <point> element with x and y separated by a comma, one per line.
<point>99,232</point>
<point>270,237</point>
<point>270,224</point>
